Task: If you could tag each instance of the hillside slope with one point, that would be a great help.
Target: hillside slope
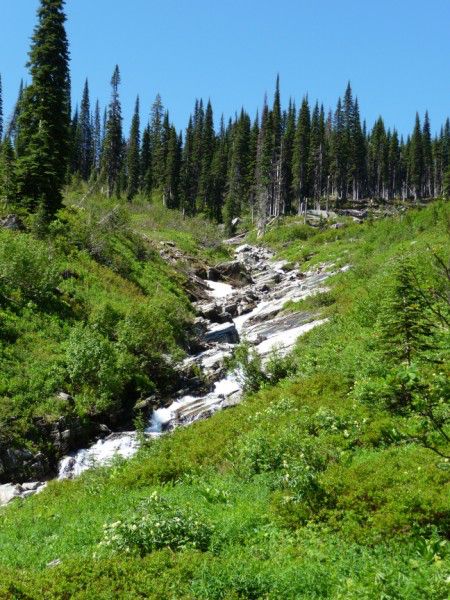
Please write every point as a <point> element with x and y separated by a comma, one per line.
<point>321,486</point>
<point>92,320</point>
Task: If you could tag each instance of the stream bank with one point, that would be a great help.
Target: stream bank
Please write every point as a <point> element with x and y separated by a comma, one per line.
<point>242,300</point>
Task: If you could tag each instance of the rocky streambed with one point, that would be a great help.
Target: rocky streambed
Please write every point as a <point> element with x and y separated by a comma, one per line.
<point>242,300</point>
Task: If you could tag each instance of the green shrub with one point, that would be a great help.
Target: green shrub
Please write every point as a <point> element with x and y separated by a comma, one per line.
<point>28,269</point>
<point>93,366</point>
<point>157,525</point>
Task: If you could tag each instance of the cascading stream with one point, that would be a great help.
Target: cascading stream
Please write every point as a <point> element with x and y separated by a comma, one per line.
<point>252,312</point>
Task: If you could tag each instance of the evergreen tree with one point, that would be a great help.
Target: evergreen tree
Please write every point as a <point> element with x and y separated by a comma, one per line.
<point>75,143</point>
<point>7,172</point>
<point>251,173</point>
<point>104,120</point>
<point>339,151</point>
<point>316,155</point>
<point>133,159</point>
<point>188,187</point>
<point>263,178</point>
<point>197,149</point>
<point>300,154</point>
<point>156,141</point>
<point>43,144</point>
<point>85,135</point>
<point>207,153</point>
<point>276,118</point>
<point>394,165</point>
<point>416,162</point>
<point>146,163</point>
<point>406,332</point>
<point>446,184</point>
<point>171,180</point>
<point>218,173</point>
<point>358,169</point>
<point>236,187</point>
<point>378,159</point>
<point>286,163</point>
<point>427,157</point>
<point>13,125</point>
<point>276,199</point>
<point>112,155</point>
<point>96,138</point>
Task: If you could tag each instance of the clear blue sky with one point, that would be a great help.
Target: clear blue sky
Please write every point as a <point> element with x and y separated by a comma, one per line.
<point>395,52</point>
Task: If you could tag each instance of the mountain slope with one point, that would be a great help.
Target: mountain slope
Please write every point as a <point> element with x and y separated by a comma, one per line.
<point>318,487</point>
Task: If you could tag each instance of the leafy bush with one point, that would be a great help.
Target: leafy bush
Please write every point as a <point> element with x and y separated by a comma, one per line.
<point>253,375</point>
<point>158,525</point>
<point>28,269</point>
<point>94,368</point>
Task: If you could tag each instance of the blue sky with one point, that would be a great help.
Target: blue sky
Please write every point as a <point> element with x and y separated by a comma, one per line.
<point>396,53</point>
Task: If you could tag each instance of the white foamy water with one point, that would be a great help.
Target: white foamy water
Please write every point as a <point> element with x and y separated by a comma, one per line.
<point>120,444</point>
<point>285,340</point>
<point>227,386</point>
<point>218,289</point>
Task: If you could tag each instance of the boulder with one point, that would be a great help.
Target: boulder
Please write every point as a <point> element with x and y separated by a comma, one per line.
<point>214,312</point>
<point>9,491</point>
<point>233,271</point>
<point>66,397</point>
<point>31,486</point>
<point>212,274</point>
<point>226,332</point>
<point>246,307</point>
<point>145,405</point>
<point>231,309</point>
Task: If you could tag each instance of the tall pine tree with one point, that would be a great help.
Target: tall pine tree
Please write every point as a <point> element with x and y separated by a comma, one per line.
<point>112,155</point>
<point>43,135</point>
<point>133,162</point>
<point>416,163</point>
<point>85,134</point>
<point>300,154</point>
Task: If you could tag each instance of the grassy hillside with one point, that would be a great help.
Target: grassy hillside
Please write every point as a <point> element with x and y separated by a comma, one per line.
<point>90,309</point>
<point>319,487</point>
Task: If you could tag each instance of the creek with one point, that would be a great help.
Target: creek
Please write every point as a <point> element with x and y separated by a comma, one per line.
<point>244,305</point>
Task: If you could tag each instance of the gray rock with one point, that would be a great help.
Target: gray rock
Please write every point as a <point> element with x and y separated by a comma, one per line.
<point>234,271</point>
<point>9,491</point>
<point>223,333</point>
<point>145,405</point>
<point>232,309</point>
<point>214,312</point>
<point>212,274</point>
<point>245,307</point>
<point>31,486</point>
<point>66,397</point>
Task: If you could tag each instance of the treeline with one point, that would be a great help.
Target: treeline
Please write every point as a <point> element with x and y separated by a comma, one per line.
<point>269,166</point>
